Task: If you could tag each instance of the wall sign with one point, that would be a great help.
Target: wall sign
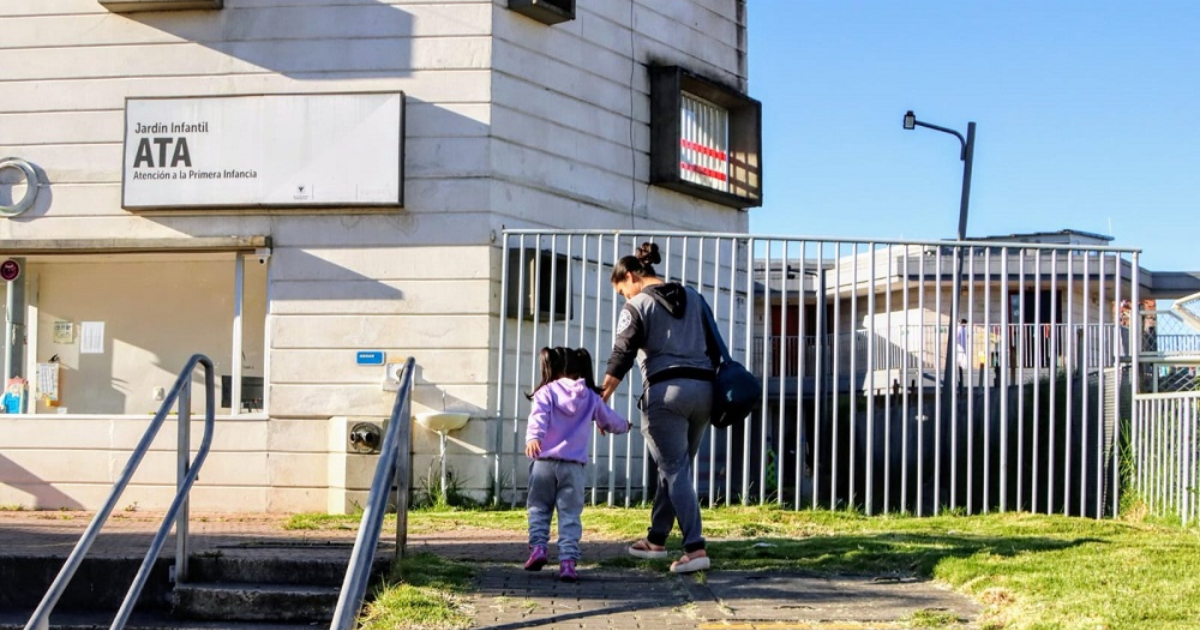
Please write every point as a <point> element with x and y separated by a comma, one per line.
<point>369,357</point>
<point>281,150</point>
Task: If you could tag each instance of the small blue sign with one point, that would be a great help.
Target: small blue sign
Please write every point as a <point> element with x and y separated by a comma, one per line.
<point>369,357</point>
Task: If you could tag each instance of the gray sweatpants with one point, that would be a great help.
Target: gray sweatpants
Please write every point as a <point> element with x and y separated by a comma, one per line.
<point>675,415</point>
<point>554,483</point>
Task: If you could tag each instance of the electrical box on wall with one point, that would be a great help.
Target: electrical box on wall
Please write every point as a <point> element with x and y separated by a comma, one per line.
<point>545,11</point>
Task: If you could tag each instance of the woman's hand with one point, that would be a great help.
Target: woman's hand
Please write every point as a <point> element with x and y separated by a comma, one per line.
<point>610,385</point>
<point>533,448</point>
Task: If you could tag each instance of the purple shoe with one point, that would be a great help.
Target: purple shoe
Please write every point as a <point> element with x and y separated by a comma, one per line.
<point>566,571</point>
<point>537,558</point>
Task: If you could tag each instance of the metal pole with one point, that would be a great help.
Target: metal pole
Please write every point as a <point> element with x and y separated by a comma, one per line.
<point>968,157</point>
<point>182,466</point>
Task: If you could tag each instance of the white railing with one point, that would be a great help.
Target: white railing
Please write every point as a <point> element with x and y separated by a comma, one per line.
<point>869,401</point>
<point>918,347</point>
<point>1166,453</point>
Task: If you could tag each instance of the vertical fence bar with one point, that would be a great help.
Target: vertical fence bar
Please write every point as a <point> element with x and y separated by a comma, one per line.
<point>872,359</point>
<point>834,382</point>
<point>957,385</point>
<point>1084,446</point>
<point>733,263</point>
<point>970,393</point>
<point>1003,390</point>
<point>552,259</point>
<point>1155,447</point>
<point>1069,369</point>
<point>1055,333</point>
<point>1117,355</point>
<point>780,434</point>
<point>1102,367</point>
<point>802,437</point>
<point>521,307</point>
<point>712,431</point>
<point>818,371</point>
<point>749,346</point>
<point>596,344</point>
<point>1023,353</point>
<point>921,413</point>
<point>764,420</point>
<point>1038,419</point>
<point>987,376</point>
<point>1135,348</point>
<point>498,431</point>
<point>938,393</point>
<point>890,354</point>
<point>905,388</point>
<point>853,389</point>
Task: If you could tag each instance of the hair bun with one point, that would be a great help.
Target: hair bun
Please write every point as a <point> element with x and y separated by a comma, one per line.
<point>648,254</point>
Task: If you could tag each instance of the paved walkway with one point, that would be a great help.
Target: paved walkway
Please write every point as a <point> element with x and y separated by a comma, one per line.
<point>507,597</point>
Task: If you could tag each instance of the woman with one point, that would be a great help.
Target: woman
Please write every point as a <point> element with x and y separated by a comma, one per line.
<point>663,327</point>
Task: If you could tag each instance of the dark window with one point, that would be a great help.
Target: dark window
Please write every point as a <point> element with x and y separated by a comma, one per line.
<point>547,11</point>
<point>131,6</point>
<point>541,287</point>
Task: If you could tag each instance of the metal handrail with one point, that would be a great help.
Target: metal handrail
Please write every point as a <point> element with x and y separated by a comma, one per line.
<point>181,391</point>
<point>394,465</point>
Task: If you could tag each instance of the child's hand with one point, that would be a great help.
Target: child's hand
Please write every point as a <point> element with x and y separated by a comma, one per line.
<point>533,448</point>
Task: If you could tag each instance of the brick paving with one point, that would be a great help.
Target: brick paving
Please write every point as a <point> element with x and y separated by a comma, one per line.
<point>506,597</point>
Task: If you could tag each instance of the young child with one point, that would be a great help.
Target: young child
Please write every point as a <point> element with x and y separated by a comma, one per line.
<point>565,404</point>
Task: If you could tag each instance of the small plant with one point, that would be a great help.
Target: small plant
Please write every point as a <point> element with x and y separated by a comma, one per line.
<point>432,494</point>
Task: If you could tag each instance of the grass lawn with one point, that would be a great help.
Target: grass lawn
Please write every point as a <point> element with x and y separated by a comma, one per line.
<point>1030,571</point>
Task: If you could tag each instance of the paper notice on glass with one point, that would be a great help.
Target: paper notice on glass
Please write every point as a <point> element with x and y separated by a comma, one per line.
<point>91,338</point>
<point>47,380</point>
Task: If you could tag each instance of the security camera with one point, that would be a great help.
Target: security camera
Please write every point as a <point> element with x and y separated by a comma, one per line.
<point>263,254</point>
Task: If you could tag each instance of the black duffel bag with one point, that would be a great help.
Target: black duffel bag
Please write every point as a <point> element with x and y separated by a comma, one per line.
<point>736,392</point>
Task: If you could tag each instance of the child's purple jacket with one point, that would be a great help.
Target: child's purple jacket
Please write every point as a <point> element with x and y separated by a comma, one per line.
<point>562,416</point>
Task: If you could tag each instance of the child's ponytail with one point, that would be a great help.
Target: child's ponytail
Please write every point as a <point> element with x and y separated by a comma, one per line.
<point>556,363</point>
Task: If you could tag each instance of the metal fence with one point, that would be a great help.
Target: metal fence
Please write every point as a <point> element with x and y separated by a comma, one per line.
<point>883,391</point>
<point>917,347</point>
<point>1166,452</point>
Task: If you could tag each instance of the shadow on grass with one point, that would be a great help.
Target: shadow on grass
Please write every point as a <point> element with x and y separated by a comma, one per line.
<point>876,554</point>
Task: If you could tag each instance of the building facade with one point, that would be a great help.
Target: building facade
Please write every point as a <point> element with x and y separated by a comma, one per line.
<point>368,155</point>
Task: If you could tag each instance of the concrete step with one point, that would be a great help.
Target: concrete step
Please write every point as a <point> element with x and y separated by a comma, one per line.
<point>303,568</point>
<point>253,601</point>
<point>99,583</point>
<point>102,620</point>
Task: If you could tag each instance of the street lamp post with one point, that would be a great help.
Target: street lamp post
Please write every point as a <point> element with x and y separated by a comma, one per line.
<point>967,155</point>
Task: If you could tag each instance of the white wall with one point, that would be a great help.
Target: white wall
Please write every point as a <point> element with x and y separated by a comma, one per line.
<point>571,115</point>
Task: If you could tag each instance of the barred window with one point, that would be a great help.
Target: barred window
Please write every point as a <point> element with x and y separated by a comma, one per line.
<point>705,138</point>
<point>703,143</point>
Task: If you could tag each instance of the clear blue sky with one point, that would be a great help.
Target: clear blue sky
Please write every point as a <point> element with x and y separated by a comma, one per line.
<point>1087,117</point>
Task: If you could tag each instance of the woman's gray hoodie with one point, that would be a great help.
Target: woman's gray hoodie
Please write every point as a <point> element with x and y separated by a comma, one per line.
<point>663,328</point>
